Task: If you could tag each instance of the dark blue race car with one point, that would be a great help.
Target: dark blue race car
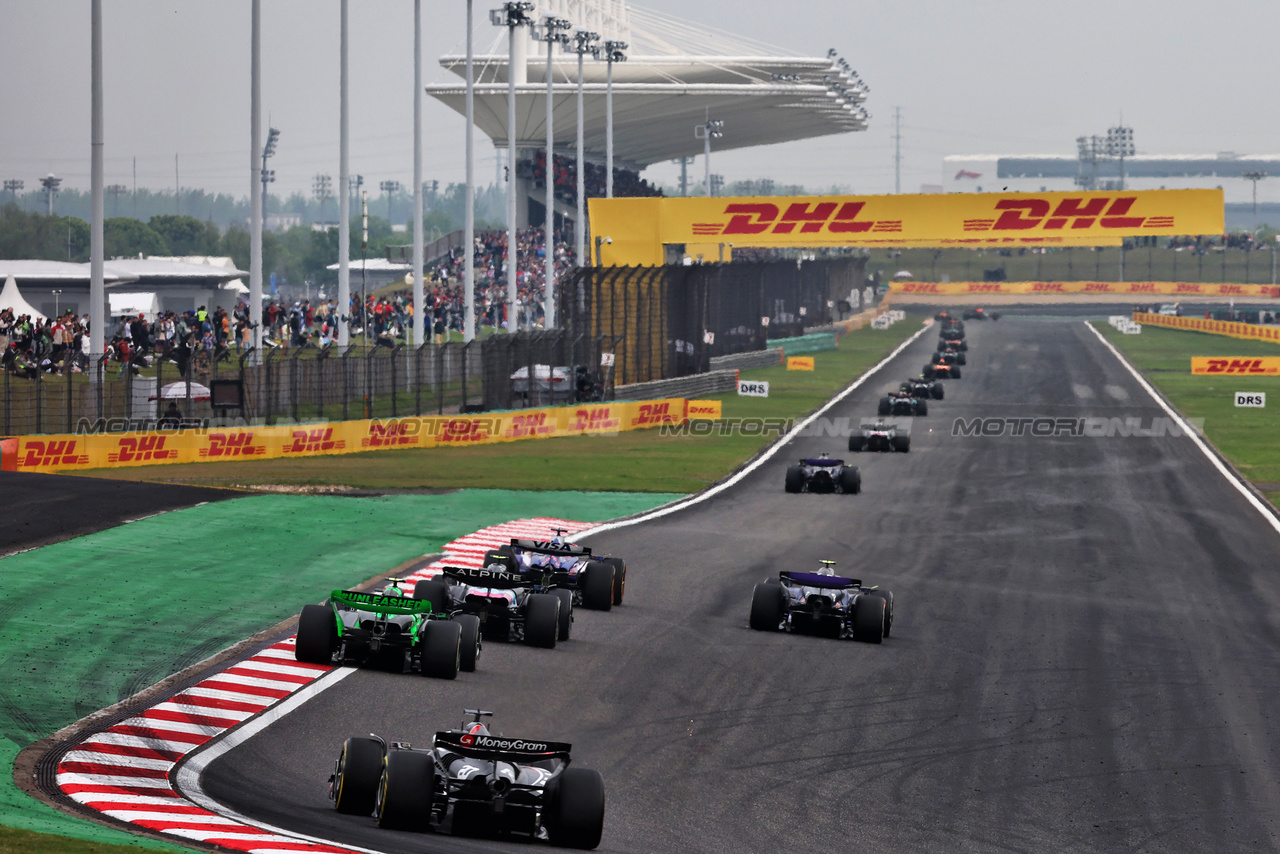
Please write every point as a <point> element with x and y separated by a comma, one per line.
<point>823,474</point>
<point>597,581</point>
<point>822,603</point>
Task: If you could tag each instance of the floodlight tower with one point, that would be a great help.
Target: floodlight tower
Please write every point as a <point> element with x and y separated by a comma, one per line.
<point>50,184</point>
<point>1255,177</point>
<point>1119,144</point>
<point>611,51</point>
<point>513,15</point>
<point>711,129</point>
<point>268,151</point>
<point>389,188</point>
<point>553,32</point>
<point>14,186</point>
<point>115,191</point>
<point>583,43</point>
<point>322,189</point>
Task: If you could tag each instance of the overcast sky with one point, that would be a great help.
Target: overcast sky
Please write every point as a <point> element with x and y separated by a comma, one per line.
<point>1191,77</point>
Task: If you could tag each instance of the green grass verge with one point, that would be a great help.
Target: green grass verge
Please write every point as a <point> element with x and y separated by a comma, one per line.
<point>1247,436</point>
<point>633,461</point>
<point>134,604</point>
<point>26,842</point>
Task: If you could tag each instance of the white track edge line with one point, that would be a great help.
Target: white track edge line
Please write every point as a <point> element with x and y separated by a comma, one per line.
<point>187,780</point>
<point>1191,433</point>
<point>764,457</point>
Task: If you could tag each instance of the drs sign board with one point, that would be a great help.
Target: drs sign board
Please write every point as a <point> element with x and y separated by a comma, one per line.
<point>1251,398</point>
<point>747,388</point>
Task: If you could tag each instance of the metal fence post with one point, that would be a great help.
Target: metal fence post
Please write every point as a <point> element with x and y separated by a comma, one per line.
<point>418,374</point>
<point>66,366</point>
<point>462,407</point>
<point>346,382</point>
<point>392,359</point>
<point>8,403</point>
<point>268,386</point>
<point>440,353</point>
<point>250,410</point>
<point>321,362</point>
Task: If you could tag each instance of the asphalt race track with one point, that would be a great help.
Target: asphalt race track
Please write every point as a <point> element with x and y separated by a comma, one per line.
<point>1083,658</point>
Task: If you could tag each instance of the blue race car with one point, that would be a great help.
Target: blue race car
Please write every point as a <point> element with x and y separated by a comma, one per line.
<point>825,475</point>
<point>597,582</point>
<point>822,603</point>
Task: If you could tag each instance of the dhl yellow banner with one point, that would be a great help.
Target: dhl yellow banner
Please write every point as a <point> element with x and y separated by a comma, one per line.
<point>84,451</point>
<point>1229,328</point>
<point>704,410</point>
<point>1251,366</point>
<point>636,231</point>
<point>1135,288</point>
<point>799,363</point>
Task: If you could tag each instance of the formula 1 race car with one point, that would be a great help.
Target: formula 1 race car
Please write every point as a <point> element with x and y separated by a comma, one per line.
<point>955,336</point>
<point>597,582</point>
<point>903,403</point>
<point>823,474</point>
<point>940,369</point>
<point>951,348</point>
<point>511,606</point>
<point>390,628</point>
<point>881,436</point>
<point>473,783</point>
<point>822,603</point>
<point>921,387</point>
<point>980,314</point>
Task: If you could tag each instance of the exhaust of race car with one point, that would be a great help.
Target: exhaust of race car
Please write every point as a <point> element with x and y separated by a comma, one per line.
<point>499,785</point>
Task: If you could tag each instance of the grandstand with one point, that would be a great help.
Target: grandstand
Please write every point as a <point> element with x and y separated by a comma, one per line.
<point>677,74</point>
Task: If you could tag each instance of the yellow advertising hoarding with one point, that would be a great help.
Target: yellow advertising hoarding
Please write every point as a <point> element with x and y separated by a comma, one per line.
<point>799,363</point>
<point>704,410</point>
<point>1229,328</point>
<point>639,229</point>
<point>70,452</point>
<point>1249,366</point>
<point>1049,288</point>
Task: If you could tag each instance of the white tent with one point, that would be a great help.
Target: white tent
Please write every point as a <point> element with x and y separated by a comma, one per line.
<point>134,304</point>
<point>12,299</point>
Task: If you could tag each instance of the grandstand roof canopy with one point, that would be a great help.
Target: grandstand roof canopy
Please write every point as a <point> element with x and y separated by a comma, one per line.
<point>676,76</point>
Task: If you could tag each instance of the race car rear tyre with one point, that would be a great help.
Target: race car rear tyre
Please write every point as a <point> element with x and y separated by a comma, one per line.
<point>851,481</point>
<point>317,635</point>
<point>955,372</point>
<point>441,649</point>
<point>766,607</point>
<point>960,359</point>
<point>405,791</point>
<point>887,596</point>
<point>435,592</point>
<point>565,624</point>
<point>359,770</point>
<point>857,443</point>
<point>795,479</point>
<point>470,643</point>
<point>619,577</point>
<point>868,619</point>
<point>885,406</point>
<point>938,391</point>
<point>575,809</point>
<point>542,620</point>
<point>597,586</point>
<point>922,408</point>
<point>902,443</point>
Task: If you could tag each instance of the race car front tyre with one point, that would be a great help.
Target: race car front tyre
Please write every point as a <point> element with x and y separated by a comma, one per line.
<point>435,592</point>
<point>851,481</point>
<point>355,785</point>
<point>766,607</point>
<point>902,443</point>
<point>470,643</point>
<point>542,620</point>
<point>441,644</point>
<point>795,479</point>
<point>575,809</point>
<point>885,406</point>
<point>405,791</point>
<point>597,586</point>
<point>619,577</point>
<point>922,408</point>
<point>565,624</point>
<point>857,443</point>
<point>868,619</point>
<point>317,635</point>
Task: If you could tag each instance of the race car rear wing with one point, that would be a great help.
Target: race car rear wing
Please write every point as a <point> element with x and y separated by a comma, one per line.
<point>493,747</point>
<point>487,577</point>
<point>827,582</point>
<point>380,603</point>
<point>550,548</point>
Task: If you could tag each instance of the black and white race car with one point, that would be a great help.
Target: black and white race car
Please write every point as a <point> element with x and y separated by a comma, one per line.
<point>881,435</point>
<point>597,581</point>
<point>510,606</point>
<point>980,314</point>
<point>903,403</point>
<point>822,603</point>
<point>921,387</point>
<point>823,474</point>
<point>390,628</point>
<point>473,783</point>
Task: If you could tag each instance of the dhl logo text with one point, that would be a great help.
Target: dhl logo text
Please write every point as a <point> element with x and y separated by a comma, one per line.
<point>312,441</point>
<point>531,425</point>
<point>798,218</point>
<point>654,413</point>
<point>469,429</point>
<point>51,453</point>
<point>596,418</point>
<point>1269,366</point>
<point>141,449</point>
<point>392,434</point>
<point>1073,213</point>
<point>232,445</point>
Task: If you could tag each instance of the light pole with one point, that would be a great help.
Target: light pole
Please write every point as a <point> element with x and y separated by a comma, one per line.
<point>268,151</point>
<point>344,188</point>
<point>50,185</point>
<point>610,52</point>
<point>388,188</point>
<point>707,132</point>
<point>469,297</point>
<point>322,189</point>
<point>1119,144</point>
<point>513,14</point>
<point>583,43</point>
<point>601,241</point>
<point>97,141</point>
<point>1255,177</point>
<point>15,185</point>
<point>553,33</point>
<point>57,297</point>
<point>115,191</point>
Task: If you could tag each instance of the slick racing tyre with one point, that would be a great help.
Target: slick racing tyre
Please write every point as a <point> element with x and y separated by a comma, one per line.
<point>857,443</point>
<point>575,809</point>
<point>902,443</point>
<point>885,406</point>
<point>565,623</point>
<point>542,620</point>
<point>938,391</point>
<point>470,642</point>
<point>955,372</point>
<point>795,479</point>
<point>405,791</point>
<point>766,607</point>
<point>851,481</point>
<point>868,619</point>
<point>355,785</point>
<point>597,586</point>
<point>887,596</point>
<point>441,649</point>
<point>619,577</point>
<point>435,592</point>
<point>317,635</point>
<point>922,408</point>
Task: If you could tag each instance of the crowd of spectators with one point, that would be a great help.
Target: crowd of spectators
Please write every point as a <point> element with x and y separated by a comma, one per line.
<point>34,345</point>
<point>625,182</point>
